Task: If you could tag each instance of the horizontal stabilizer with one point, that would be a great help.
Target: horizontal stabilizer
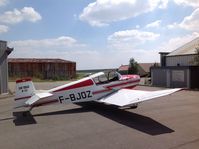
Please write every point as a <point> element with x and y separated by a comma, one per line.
<point>37,97</point>
<point>127,97</point>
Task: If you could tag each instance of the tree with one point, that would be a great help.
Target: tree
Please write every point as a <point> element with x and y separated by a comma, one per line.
<point>133,66</point>
<point>196,57</point>
<point>155,64</point>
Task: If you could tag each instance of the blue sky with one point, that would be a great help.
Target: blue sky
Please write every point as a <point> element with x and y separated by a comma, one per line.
<point>97,33</point>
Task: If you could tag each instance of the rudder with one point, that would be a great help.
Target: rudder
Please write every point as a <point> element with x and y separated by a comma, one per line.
<point>24,90</point>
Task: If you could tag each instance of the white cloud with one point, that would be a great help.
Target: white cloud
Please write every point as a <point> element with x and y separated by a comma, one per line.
<point>172,26</point>
<point>103,12</point>
<point>70,49</point>
<point>17,16</point>
<point>130,38</point>
<point>177,42</point>
<point>193,3</point>
<point>62,42</point>
<point>62,47</point>
<point>163,4</point>
<point>137,26</point>
<point>3,29</point>
<point>154,24</point>
<point>148,54</point>
<point>30,14</point>
<point>3,2</point>
<point>191,22</point>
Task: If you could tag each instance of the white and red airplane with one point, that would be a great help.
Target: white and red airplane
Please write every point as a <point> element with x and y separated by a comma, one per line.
<point>109,88</point>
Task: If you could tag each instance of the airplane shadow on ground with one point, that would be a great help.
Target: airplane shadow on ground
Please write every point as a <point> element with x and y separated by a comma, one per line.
<point>133,120</point>
<point>20,119</point>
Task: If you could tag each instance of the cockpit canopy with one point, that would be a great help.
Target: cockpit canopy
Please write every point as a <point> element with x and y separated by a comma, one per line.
<point>106,77</point>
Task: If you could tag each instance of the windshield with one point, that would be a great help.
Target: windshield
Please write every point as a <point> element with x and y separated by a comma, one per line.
<point>113,76</point>
<point>107,77</point>
<point>100,79</point>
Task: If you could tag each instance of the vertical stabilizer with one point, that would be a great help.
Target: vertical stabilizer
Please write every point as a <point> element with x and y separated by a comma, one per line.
<point>24,90</point>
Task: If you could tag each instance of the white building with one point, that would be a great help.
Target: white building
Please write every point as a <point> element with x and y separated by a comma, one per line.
<point>184,55</point>
<point>178,68</point>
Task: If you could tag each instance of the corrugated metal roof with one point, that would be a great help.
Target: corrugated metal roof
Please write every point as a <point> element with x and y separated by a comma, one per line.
<point>188,48</point>
<point>37,60</point>
<point>146,66</point>
<point>123,68</point>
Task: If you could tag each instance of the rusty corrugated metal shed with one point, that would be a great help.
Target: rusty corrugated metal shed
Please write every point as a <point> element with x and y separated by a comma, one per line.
<point>38,60</point>
<point>41,68</point>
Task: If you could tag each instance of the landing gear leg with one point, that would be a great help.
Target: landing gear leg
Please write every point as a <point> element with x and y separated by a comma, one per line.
<point>132,106</point>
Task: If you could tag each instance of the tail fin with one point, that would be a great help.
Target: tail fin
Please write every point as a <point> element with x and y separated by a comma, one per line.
<point>24,90</point>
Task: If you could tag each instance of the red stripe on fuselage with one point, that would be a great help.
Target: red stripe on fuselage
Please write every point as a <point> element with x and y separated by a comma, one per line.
<point>22,98</point>
<point>45,103</point>
<point>78,85</point>
<point>130,87</point>
<point>101,91</point>
<point>124,83</point>
<point>109,88</point>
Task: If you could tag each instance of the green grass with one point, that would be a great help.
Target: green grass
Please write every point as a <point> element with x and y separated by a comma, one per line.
<point>80,75</point>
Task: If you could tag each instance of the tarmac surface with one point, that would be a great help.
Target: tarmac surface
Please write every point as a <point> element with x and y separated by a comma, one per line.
<point>170,122</point>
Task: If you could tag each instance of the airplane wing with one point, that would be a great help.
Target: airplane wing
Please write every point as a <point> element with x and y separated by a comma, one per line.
<point>127,97</point>
<point>37,97</point>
